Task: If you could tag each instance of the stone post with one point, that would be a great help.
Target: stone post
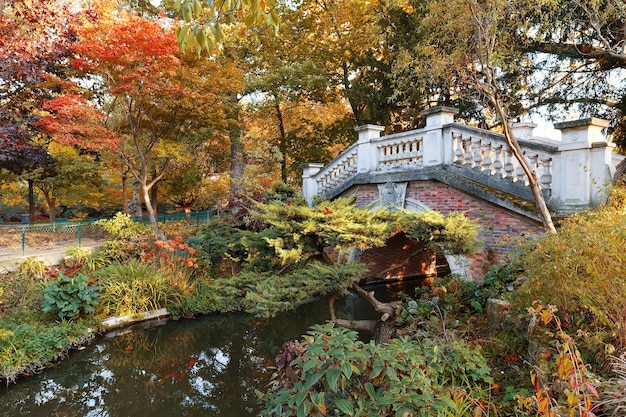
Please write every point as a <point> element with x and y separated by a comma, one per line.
<point>437,148</point>
<point>309,184</point>
<point>367,153</point>
<point>582,168</point>
<point>523,130</point>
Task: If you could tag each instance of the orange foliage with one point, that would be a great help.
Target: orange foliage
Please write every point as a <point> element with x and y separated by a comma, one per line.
<point>138,57</point>
<point>72,121</point>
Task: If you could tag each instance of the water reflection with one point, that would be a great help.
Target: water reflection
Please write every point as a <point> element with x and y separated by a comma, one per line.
<point>205,367</point>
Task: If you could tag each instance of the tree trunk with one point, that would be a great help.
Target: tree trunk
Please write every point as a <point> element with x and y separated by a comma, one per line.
<point>535,187</point>
<point>31,201</point>
<point>151,214</point>
<point>491,92</point>
<point>154,194</point>
<point>383,329</point>
<point>52,208</point>
<point>124,192</point>
<point>137,210</point>
<point>282,143</point>
<point>236,154</point>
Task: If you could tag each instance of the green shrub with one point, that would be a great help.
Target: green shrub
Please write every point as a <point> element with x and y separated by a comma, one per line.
<point>121,226</point>
<point>580,270</point>
<point>70,297</point>
<point>135,287</point>
<point>210,296</point>
<point>119,250</point>
<point>22,287</point>
<point>335,374</point>
<point>266,295</point>
<point>77,255</point>
<point>27,347</point>
<point>280,192</point>
<point>452,296</point>
<point>220,245</point>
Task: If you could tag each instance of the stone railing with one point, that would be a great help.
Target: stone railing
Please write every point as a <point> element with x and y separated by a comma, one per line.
<point>573,171</point>
<point>490,155</point>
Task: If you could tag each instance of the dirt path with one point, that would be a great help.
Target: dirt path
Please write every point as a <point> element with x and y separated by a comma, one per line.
<point>50,255</point>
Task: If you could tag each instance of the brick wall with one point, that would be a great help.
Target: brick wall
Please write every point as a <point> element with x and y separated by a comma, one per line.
<point>497,226</point>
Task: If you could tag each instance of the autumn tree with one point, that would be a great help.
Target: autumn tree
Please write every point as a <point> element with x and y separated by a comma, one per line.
<point>35,52</point>
<point>293,98</point>
<point>152,96</point>
<point>218,27</point>
<point>78,182</point>
<point>578,48</point>
<point>199,177</point>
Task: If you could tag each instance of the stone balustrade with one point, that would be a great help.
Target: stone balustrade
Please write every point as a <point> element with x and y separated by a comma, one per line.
<point>573,171</point>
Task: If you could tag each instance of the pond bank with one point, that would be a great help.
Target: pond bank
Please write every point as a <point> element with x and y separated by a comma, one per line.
<point>207,366</point>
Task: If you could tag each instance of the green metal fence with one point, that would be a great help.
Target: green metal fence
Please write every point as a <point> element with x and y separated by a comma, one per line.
<point>193,217</point>
<point>25,239</point>
<point>20,240</point>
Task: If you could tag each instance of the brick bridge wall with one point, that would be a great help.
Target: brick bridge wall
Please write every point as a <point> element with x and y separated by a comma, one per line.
<point>497,225</point>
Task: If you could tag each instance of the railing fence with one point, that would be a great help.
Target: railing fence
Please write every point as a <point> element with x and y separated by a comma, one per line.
<point>23,239</point>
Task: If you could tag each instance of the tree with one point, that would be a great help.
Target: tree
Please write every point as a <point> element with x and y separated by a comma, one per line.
<point>78,180</point>
<point>345,41</point>
<point>197,179</point>
<point>578,49</point>
<point>152,94</point>
<point>294,102</point>
<point>35,41</point>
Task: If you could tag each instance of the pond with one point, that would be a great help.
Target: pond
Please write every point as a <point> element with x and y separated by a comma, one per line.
<point>209,366</point>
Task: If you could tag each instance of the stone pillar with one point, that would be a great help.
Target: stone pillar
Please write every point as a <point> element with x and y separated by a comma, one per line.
<point>309,184</point>
<point>581,170</point>
<point>523,130</point>
<point>367,153</point>
<point>437,148</point>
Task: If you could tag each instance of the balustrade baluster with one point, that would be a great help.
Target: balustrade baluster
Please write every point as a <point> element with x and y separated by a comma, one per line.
<point>477,153</point>
<point>467,159</point>
<point>534,165</point>
<point>486,164</point>
<point>414,156</point>
<point>458,148</point>
<point>497,163</point>
<point>381,157</point>
<point>509,168</point>
<point>520,174</point>
<point>546,176</point>
<point>420,152</point>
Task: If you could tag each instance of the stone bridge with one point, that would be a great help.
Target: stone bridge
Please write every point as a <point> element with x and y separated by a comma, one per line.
<point>447,166</point>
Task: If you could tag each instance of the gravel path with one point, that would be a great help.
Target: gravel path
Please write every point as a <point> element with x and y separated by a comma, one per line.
<point>50,255</point>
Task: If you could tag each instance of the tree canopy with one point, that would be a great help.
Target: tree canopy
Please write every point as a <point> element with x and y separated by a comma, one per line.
<point>135,85</point>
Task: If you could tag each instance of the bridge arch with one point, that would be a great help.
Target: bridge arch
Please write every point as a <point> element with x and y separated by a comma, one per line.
<point>498,227</point>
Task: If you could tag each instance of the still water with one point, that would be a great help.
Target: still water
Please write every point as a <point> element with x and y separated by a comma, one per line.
<point>209,366</point>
